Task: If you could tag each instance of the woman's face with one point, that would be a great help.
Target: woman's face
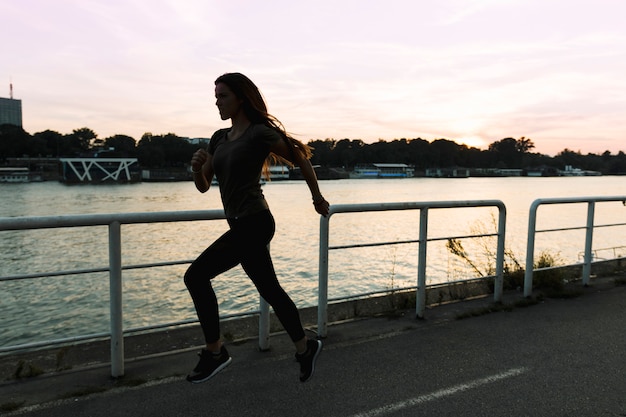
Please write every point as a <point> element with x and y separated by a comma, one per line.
<point>226,101</point>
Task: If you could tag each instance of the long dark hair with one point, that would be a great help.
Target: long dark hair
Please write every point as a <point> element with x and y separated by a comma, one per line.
<point>256,111</point>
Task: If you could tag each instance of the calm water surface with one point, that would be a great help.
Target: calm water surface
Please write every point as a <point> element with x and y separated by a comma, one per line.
<point>34,310</point>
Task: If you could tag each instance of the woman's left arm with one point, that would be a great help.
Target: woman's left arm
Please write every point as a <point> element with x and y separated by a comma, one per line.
<point>281,149</point>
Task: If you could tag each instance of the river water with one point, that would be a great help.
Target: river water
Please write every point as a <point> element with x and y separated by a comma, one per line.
<point>34,310</point>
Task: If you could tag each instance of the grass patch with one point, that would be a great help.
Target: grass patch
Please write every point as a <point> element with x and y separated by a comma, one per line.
<point>481,260</point>
<point>26,370</point>
<point>60,356</point>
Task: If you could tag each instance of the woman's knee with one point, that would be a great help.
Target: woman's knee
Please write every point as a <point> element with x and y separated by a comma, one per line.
<point>191,277</point>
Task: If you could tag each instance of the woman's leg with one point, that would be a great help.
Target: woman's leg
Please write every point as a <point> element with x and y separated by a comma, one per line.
<point>221,256</point>
<point>246,243</point>
<point>259,267</point>
<point>257,263</point>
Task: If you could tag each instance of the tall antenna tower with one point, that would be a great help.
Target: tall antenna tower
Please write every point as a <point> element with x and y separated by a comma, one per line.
<point>11,90</point>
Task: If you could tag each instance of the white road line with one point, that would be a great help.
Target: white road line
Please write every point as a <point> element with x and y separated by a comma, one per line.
<point>391,408</point>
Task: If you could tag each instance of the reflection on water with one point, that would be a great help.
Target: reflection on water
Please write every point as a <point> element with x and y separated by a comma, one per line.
<point>73,305</point>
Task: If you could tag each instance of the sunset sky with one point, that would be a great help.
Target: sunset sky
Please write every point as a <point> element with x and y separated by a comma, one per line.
<point>472,71</point>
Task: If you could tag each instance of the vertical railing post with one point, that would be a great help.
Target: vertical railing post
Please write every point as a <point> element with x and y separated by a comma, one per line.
<point>264,325</point>
<point>115,301</point>
<point>530,249</point>
<point>264,322</point>
<point>499,283</point>
<point>420,298</point>
<point>588,242</point>
<point>322,291</point>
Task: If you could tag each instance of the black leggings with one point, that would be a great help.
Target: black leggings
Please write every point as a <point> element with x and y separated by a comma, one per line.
<point>246,244</point>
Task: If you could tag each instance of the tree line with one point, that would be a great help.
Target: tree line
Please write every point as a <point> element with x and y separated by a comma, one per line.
<point>171,151</point>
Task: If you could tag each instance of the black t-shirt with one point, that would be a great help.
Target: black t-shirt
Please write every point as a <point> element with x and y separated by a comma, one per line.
<point>238,164</point>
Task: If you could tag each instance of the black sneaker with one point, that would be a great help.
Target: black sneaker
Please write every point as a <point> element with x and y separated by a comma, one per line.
<point>308,358</point>
<point>209,365</point>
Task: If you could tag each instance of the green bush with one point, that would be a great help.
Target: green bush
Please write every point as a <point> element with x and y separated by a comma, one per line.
<point>550,279</point>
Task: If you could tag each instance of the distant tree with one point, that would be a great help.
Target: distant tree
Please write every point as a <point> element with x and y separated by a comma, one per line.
<point>469,157</point>
<point>395,151</point>
<point>569,157</point>
<point>444,152</point>
<point>346,153</point>
<point>164,151</point>
<point>80,141</point>
<point>53,142</point>
<point>123,145</point>
<point>14,142</point>
<point>419,153</point>
<point>617,165</point>
<point>322,150</point>
<point>506,152</point>
<point>524,145</point>
<point>149,154</point>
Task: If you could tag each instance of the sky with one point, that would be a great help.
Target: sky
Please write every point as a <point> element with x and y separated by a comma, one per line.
<point>471,71</point>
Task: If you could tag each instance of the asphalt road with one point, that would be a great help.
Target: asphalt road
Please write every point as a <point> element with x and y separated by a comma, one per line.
<point>556,358</point>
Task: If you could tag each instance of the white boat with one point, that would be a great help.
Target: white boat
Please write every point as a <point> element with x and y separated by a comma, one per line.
<point>14,175</point>
<point>365,171</point>
<point>382,171</point>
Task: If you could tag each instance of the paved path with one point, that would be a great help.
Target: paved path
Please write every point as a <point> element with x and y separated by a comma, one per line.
<point>556,358</point>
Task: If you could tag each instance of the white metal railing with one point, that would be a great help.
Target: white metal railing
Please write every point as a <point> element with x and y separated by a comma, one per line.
<point>115,268</point>
<point>588,227</point>
<point>423,207</point>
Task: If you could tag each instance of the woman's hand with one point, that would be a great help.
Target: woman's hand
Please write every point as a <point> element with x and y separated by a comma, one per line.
<point>321,205</point>
<point>198,160</point>
<point>202,169</point>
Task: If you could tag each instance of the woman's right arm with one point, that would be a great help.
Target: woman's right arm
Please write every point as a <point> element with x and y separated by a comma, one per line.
<point>202,169</point>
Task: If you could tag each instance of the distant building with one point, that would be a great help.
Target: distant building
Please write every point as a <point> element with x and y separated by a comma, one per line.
<point>509,172</point>
<point>382,171</point>
<point>454,172</point>
<point>10,111</point>
<point>198,141</point>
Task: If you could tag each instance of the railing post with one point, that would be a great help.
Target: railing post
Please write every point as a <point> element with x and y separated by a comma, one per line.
<point>115,302</point>
<point>499,282</point>
<point>530,249</point>
<point>420,297</point>
<point>264,325</point>
<point>264,322</point>
<point>322,290</point>
<point>588,242</point>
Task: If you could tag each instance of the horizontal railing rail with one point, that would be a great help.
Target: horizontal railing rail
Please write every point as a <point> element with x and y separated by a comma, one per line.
<point>588,227</point>
<point>614,252</point>
<point>423,207</point>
